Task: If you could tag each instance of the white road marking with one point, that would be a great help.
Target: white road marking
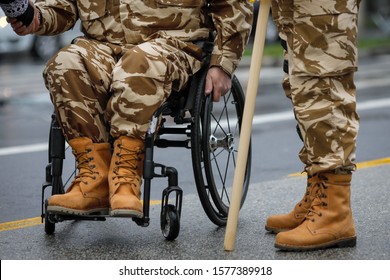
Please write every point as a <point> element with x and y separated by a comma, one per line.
<point>258,119</point>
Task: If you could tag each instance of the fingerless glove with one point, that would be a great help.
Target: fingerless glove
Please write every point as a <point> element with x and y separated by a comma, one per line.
<point>20,9</point>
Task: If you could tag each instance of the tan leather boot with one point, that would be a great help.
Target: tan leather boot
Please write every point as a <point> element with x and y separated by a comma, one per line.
<point>284,222</point>
<point>329,222</point>
<point>125,177</point>
<point>88,192</point>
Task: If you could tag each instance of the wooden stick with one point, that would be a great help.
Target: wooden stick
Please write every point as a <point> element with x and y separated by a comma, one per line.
<point>246,128</point>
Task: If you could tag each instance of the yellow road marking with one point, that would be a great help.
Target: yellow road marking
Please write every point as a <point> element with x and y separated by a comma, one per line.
<point>20,224</point>
<point>360,165</point>
<point>37,221</point>
<point>372,163</point>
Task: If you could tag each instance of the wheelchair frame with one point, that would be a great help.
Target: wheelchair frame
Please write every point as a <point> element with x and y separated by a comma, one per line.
<point>207,142</point>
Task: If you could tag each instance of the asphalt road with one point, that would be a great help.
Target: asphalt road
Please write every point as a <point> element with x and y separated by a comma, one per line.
<point>24,121</point>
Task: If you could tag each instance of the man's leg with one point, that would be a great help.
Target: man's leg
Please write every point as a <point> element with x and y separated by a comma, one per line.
<point>142,80</point>
<point>78,79</point>
<point>283,12</point>
<point>323,94</point>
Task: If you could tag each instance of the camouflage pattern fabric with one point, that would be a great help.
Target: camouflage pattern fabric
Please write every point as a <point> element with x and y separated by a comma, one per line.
<point>321,38</point>
<point>96,93</point>
<point>132,56</point>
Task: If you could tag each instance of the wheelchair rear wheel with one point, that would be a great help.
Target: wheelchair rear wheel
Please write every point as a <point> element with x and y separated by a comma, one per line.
<point>214,144</point>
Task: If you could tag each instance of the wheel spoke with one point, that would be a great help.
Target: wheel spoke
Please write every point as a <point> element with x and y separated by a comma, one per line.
<point>217,132</point>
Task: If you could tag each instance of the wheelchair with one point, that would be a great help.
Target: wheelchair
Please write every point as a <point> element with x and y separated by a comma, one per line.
<point>210,130</point>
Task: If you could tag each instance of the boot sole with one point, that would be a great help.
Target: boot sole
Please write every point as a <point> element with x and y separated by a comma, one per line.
<point>276,230</point>
<point>126,213</point>
<point>70,211</point>
<point>340,243</point>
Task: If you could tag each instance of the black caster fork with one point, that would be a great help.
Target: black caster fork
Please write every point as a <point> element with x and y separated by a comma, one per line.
<point>170,213</point>
<point>170,208</point>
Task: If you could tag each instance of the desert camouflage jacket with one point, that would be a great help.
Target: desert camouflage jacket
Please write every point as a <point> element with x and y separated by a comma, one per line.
<point>130,22</point>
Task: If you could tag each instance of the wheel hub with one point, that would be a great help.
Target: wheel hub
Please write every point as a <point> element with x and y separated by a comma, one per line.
<point>226,143</point>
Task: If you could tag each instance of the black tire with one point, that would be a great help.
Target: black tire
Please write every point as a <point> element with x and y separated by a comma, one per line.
<point>170,222</point>
<point>214,143</point>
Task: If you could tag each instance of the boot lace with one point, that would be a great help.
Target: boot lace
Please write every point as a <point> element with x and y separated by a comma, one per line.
<point>126,167</point>
<point>308,194</point>
<point>84,167</point>
<point>305,199</point>
<point>318,202</point>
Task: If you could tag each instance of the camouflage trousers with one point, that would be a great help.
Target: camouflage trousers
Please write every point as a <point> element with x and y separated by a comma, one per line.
<point>320,61</point>
<point>100,89</point>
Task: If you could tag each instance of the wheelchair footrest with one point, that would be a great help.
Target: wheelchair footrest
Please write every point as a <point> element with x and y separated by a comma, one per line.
<point>59,217</point>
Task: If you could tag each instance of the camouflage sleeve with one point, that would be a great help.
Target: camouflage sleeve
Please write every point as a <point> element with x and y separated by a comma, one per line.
<point>57,16</point>
<point>232,20</point>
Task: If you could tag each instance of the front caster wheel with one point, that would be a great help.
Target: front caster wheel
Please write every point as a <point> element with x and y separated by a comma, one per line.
<point>170,222</point>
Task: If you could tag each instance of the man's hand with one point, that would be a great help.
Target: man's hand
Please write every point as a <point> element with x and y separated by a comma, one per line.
<point>218,83</point>
<point>20,28</point>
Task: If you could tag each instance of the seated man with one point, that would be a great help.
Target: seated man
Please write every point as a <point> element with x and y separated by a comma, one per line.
<point>109,82</point>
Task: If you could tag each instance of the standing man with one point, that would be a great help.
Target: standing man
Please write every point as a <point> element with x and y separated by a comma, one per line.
<point>320,42</point>
<point>109,82</point>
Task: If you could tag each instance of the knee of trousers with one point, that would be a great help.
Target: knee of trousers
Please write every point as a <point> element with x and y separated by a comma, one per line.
<point>57,73</point>
<point>66,58</point>
<point>134,102</point>
<point>140,85</point>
